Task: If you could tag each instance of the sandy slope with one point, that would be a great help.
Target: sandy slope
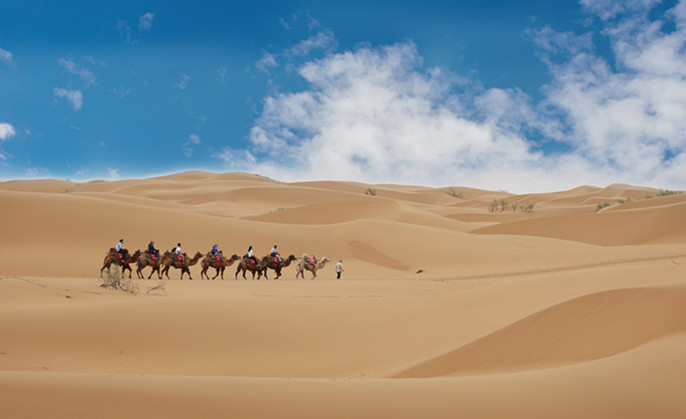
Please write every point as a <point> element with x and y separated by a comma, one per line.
<point>445,309</point>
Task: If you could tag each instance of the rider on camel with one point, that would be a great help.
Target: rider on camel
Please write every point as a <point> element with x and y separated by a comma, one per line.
<point>152,250</point>
<point>251,255</point>
<point>275,253</point>
<point>215,252</point>
<point>124,254</point>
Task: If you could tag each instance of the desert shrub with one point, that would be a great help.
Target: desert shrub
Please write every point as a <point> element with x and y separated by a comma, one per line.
<point>493,206</point>
<point>115,280</point>
<point>667,192</point>
<point>455,194</point>
<point>529,206</point>
<point>371,192</point>
<point>601,206</point>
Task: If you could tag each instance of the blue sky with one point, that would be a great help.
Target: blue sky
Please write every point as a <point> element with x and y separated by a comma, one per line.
<point>517,95</point>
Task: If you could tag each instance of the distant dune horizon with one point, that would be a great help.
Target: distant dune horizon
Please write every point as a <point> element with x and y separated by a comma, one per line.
<point>454,301</point>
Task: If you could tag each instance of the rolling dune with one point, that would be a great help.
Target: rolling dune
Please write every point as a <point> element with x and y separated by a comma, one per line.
<point>445,309</point>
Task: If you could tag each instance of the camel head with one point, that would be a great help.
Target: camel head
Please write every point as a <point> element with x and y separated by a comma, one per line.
<point>235,257</point>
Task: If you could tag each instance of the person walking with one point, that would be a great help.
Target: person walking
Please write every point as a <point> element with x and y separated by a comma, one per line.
<point>339,269</point>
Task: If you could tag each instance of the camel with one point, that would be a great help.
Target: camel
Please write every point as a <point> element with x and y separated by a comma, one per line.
<point>244,265</point>
<point>145,261</point>
<point>305,265</point>
<point>124,263</point>
<point>211,262</point>
<point>170,260</point>
<point>277,266</point>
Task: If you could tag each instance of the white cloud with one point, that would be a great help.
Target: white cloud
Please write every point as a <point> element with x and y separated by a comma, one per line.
<point>121,91</point>
<point>6,131</point>
<point>376,114</point>
<point>6,57</point>
<point>86,76</point>
<point>321,41</point>
<point>183,83</point>
<point>74,97</point>
<point>37,172</point>
<point>113,174</point>
<point>193,139</point>
<point>266,62</point>
<point>145,22</point>
<point>125,31</point>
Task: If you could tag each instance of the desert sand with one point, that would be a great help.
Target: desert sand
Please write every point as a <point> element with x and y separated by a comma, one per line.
<point>446,309</point>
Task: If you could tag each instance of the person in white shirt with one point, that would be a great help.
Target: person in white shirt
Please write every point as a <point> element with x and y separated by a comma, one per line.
<point>339,269</point>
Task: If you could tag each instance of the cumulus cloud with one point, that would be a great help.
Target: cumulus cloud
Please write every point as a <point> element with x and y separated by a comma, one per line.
<point>145,22</point>
<point>321,41</point>
<point>193,140</point>
<point>6,131</point>
<point>183,83</point>
<point>86,76</point>
<point>376,114</point>
<point>113,174</point>
<point>74,97</point>
<point>266,62</point>
<point>6,57</point>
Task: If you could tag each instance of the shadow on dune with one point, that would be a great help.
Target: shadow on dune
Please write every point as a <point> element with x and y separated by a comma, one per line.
<point>583,329</point>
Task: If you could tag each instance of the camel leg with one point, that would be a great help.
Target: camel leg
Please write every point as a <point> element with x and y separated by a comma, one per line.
<point>218,270</point>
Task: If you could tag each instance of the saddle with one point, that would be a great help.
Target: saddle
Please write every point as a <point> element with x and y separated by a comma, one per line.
<point>250,262</point>
<point>276,259</point>
<point>152,256</point>
<point>179,258</point>
<point>312,260</point>
<point>120,256</point>
<point>218,257</point>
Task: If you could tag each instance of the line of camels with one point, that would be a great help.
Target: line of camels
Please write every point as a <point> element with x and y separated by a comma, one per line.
<point>167,260</point>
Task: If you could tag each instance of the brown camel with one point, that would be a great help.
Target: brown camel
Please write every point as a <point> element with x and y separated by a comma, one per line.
<point>112,257</point>
<point>305,265</point>
<point>145,260</point>
<point>211,261</point>
<point>277,266</point>
<point>170,260</point>
<point>245,265</point>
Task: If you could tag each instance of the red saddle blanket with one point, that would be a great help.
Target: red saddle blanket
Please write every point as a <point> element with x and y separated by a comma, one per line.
<point>153,256</point>
<point>120,256</point>
<point>179,258</point>
<point>250,261</point>
<point>311,260</point>
<point>276,260</point>
<point>218,258</point>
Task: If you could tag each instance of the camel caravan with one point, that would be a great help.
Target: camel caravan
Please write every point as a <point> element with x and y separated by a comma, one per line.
<point>215,259</point>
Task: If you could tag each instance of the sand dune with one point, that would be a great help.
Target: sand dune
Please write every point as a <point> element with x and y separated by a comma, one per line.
<point>445,309</point>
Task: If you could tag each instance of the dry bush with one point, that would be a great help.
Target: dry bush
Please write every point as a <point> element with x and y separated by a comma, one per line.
<point>116,281</point>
